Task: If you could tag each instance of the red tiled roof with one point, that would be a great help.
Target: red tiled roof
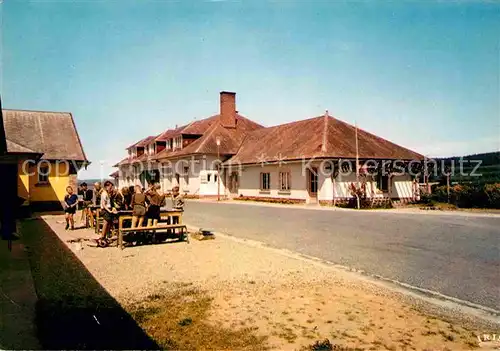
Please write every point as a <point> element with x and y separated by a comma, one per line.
<point>140,142</point>
<point>124,161</point>
<point>230,138</point>
<point>318,137</point>
<point>193,128</point>
<point>144,142</point>
<point>114,174</point>
<point>52,134</point>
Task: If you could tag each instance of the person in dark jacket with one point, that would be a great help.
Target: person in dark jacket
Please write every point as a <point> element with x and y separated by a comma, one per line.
<point>138,207</point>
<point>87,197</point>
<point>155,199</point>
<point>70,203</point>
<point>127,198</point>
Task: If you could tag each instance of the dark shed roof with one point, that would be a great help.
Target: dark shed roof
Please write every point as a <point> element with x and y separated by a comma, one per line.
<point>52,134</point>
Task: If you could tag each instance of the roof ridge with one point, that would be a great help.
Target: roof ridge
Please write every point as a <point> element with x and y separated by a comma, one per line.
<point>78,137</point>
<point>3,137</point>
<point>294,122</point>
<point>325,131</point>
<point>376,136</point>
<point>207,136</point>
<point>39,111</point>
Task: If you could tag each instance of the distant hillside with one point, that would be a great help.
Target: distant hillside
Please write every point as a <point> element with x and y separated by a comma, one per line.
<point>487,172</point>
<point>487,159</point>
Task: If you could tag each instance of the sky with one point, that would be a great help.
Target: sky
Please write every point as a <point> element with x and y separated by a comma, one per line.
<point>423,74</point>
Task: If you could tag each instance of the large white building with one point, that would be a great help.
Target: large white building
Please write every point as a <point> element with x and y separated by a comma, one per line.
<point>311,161</point>
<point>189,156</point>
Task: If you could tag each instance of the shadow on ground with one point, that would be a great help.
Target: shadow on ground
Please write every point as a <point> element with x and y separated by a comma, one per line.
<point>73,310</point>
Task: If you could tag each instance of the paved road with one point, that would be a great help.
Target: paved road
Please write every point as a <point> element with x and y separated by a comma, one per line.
<point>458,256</point>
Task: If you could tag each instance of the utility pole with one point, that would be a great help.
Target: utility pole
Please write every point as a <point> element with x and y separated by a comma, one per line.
<point>217,141</point>
<point>448,185</point>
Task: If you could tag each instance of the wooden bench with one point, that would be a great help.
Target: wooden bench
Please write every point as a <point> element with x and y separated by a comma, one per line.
<point>161,228</point>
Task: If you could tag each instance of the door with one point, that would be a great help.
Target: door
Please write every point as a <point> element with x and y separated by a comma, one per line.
<point>312,183</point>
<point>10,201</point>
<point>234,183</point>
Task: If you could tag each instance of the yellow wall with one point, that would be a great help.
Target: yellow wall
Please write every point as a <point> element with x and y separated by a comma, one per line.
<point>54,190</point>
<point>23,183</point>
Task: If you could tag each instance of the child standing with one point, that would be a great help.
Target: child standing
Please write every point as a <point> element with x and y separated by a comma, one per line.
<point>155,199</point>
<point>138,207</point>
<point>70,201</point>
<point>177,203</point>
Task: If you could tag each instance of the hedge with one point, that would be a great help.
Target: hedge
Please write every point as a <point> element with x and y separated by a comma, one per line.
<point>466,195</point>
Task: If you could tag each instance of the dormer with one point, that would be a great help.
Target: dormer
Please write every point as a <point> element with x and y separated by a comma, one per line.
<point>160,146</point>
<point>140,151</point>
<point>177,142</point>
<point>151,149</point>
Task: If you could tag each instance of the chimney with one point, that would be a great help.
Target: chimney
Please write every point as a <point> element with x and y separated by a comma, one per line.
<point>228,109</point>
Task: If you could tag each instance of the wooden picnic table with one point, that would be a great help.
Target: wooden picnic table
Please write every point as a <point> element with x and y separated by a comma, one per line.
<point>165,214</point>
<point>124,215</point>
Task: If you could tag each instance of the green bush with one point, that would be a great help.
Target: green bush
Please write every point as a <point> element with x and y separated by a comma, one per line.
<point>492,192</point>
<point>466,195</point>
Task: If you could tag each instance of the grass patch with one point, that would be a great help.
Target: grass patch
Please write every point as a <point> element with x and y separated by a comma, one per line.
<point>178,320</point>
<point>446,336</point>
<point>326,345</point>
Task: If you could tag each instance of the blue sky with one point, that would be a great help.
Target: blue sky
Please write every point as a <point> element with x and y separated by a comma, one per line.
<point>423,74</point>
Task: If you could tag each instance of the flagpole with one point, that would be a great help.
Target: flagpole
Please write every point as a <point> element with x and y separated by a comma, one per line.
<point>357,163</point>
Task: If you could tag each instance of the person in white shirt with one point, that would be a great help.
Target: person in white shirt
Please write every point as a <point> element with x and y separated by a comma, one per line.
<point>107,212</point>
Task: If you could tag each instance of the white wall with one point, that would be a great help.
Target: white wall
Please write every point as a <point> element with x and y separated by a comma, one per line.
<point>401,186</point>
<point>250,181</point>
<point>209,185</point>
<point>191,183</point>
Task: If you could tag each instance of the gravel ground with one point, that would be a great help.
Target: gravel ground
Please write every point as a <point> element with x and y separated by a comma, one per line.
<point>291,302</point>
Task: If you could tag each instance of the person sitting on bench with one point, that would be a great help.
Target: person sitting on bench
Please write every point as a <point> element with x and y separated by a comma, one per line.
<point>138,207</point>
<point>155,200</point>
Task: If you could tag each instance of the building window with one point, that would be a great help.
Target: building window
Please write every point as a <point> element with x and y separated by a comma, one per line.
<point>43,175</point>
<point>208,177</point>
<point>152,149</point>
<point>383,183</point>
<point>285,181</point>
<point>178,142</point>
<point>265,181</point>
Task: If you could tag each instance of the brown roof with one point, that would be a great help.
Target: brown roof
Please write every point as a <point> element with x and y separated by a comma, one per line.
<point>193,128</point>
<point>52,134</point>
<point>115,174</point>
<point>124,161</point>
<point>141,142</point>
<point>15,148</point>
<point>144,142</point>
<point>231,138</point>
<point>3,140</point>
<point>319,137</point>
